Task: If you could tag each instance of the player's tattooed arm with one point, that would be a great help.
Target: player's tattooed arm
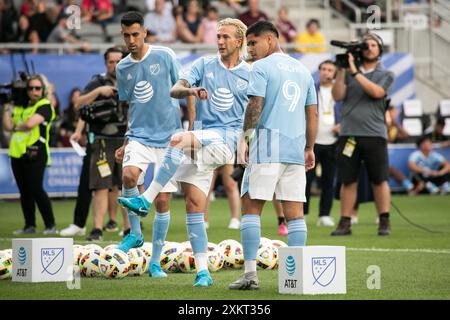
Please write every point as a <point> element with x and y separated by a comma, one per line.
<point>252,113</point>
<point>182,89</point>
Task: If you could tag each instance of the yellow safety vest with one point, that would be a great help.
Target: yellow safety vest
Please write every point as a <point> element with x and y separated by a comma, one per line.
<point>20,140</point>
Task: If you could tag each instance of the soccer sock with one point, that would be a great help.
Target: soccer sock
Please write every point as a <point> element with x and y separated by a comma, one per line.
<point>250,234</point>
<point>135,221</point>
<point>160,227</point>
<point>201,261</point>
<point>297,232</point>
<point>384,215</point>
<point>280,220</point>
<point>172,160</point>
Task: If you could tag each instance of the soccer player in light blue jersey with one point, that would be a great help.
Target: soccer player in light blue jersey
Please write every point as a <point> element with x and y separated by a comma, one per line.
<point>220,85</point>
<point>281,122</point>
<point>144,80</point>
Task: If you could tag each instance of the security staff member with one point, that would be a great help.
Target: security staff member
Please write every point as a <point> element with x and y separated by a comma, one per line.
<point>29,152</point>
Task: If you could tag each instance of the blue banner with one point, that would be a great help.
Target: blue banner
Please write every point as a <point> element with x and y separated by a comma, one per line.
<point>62,177</point>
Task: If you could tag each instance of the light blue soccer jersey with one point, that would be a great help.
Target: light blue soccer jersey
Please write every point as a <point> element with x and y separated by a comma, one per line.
<point>154,116</point>
<point>433,162</point>
<point>227,96</point>
<point>287,87</point>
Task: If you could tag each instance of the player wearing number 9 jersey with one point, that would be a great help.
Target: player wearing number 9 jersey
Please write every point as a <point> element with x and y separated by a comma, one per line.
<point>281,116</point>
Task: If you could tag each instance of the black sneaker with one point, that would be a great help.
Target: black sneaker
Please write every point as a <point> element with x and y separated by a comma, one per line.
<point>25,230</point>
<point>343,228</point>
<point>111,226</point>
<point>95,235</point>
<point>126,232</point>
<point>384,226</point>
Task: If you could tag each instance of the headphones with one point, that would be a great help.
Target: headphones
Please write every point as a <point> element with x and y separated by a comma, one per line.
<point>378,40</point>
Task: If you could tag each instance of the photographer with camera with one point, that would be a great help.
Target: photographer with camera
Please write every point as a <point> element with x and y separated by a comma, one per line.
<point>106,126</point>
<point>362,85</point>
<point>29,121</point>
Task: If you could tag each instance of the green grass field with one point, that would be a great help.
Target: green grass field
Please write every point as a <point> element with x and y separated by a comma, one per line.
<point>414,265</point>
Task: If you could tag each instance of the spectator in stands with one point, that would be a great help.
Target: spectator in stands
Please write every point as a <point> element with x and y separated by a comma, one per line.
<point>312,40</point>
<point>253,14</point>
<point>161,22</point>
<point>29,7</point>
<point>8,18</point>
<point>97,11</point>
<point>69,120</point>
<point>430,170</point>
<point>210,26</point>
<point>286,28</point>
<point>42,24</point>
<point>62,34</point>
<point>23,34</point>
<point>437,135</point>
<point>189,25</point>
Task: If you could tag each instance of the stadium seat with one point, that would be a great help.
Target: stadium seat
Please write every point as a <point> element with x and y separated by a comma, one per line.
<point>444,112</point>
<point>412,118</point>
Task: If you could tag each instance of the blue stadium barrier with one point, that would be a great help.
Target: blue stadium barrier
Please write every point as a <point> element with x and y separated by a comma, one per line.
<point>75,70</point>
<point>61,178</point>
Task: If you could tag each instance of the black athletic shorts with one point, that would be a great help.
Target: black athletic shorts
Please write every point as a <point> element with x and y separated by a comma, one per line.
<point>108,146</point>
<point>371,150</point>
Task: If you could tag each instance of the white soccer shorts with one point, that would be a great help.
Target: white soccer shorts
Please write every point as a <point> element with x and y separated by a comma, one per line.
<point>141,156</point>
<point>287,181</point>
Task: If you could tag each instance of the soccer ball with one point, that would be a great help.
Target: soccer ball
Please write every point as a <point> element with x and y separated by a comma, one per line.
<point>78,251</point>
<point>90,263</point>
<point>5,267</point>
<point>186,246</point>
<point>138,262</point>
<point>212,246</point>
<point>114,264</point>
<point>279,244</point>
<point>94,247</point>
<point>147,249</point>
<point>232,253</point>
<point>266,256</point>
<point>215,260</point>
<point>109,247</point>
<point>168,256</point>
<point>7,253</point>
<point>186,262</point>
<point>264,241</point>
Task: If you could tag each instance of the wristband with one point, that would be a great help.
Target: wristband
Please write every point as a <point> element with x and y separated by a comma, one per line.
<point>354,74</point>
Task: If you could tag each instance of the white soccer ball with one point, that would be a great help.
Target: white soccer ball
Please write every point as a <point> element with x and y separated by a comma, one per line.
<point>186,262</point>
<point>93,246</point>
<point>186,246</point>
<point>138,262</point>
<point>147,249</point>
<point>114,264</point>
<point>78,251</point>
<point>278,244</point>
<point>90,263</point>
<point>215,260</point>
<point>232,253</point>
<point>169,253</point>
<point>7,253</point>
<point>5,267</point>
<point>264,241</point>
<point>110,246</point>
<point>266,256</point>
<point>212,246</point>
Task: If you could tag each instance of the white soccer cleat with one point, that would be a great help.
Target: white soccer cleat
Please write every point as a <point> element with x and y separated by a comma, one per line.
<point>354,220</point>
<point>325,221</point>
<point>73,230</point>
<point>234,224</point>
<point>206,225</point>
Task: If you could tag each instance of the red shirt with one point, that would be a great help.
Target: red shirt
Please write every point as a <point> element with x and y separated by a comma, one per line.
<point>99,5</point>
<point>248,20</point>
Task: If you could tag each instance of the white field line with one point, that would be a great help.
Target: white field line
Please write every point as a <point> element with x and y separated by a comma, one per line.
<point>402,250</point>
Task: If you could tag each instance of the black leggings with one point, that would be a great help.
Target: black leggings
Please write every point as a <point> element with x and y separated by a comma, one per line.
<point>29,175</point>
<point>84,197</point>
<point>326,156</point>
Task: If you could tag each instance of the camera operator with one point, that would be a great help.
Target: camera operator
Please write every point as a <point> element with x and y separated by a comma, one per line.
<point>29,151</point>
<point>363,135</point>
<point>99,164</point>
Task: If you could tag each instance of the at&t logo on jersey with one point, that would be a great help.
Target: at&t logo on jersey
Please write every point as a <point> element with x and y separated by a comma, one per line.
<point>222,99</point>
<point>143,91</point>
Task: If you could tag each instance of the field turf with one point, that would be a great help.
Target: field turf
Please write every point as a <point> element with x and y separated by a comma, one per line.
<point>414,263</point>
